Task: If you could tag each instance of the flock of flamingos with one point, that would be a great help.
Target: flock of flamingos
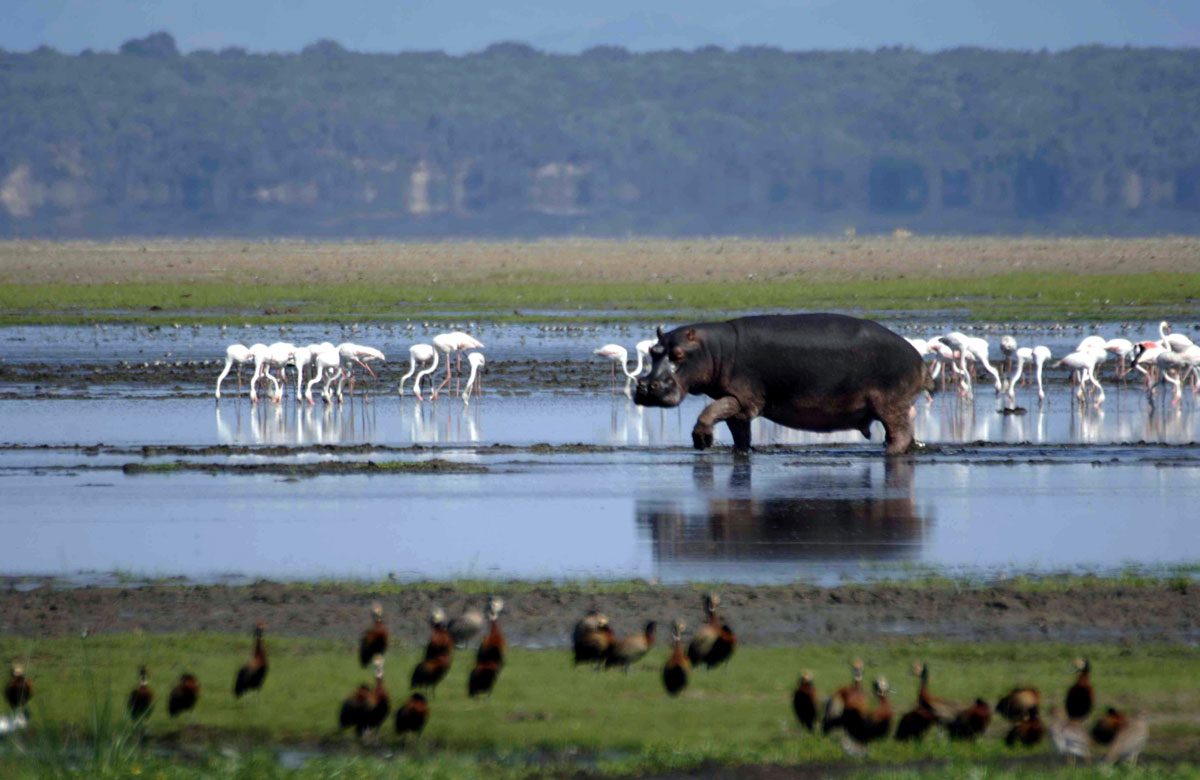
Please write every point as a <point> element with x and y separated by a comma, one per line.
<point>957,358</point>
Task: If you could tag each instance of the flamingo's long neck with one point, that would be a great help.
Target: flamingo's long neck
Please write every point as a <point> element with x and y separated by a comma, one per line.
<point>638,370</point>
<point>1012,383</point>
<point>471,379</point>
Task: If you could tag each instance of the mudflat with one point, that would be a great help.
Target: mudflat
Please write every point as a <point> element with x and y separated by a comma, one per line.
<point>540,616</point>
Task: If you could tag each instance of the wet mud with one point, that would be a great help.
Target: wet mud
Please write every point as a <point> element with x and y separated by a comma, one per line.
<point>543,616</point>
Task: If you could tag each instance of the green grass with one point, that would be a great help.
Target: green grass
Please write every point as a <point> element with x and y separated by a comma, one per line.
<point>1026,295</point>
<point>543,710</point>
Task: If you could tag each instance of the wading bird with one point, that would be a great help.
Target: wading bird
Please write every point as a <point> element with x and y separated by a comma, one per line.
<point>474,381</point>
<point>250,677</point>
<point>353,354</point>
<point>424,372</point>
<point>374,640</point>
<point>235,354</point>
<point>617,354</point>
<point>678,667</point>
<point>452,344</point>
<point>417,354</point>
<point>141,698</point>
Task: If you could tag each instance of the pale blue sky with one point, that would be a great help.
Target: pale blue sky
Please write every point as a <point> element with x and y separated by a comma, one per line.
<point>459,26</point>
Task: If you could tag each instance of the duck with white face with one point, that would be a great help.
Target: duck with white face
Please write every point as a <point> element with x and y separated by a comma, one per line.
<point>814,372</point>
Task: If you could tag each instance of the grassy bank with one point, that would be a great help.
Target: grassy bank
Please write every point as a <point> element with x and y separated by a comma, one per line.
<point>544,713</point>
<point>226,281</point>
<point>1027,296</point>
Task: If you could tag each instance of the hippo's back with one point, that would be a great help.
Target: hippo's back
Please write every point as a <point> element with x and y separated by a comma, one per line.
<point>825,350</point>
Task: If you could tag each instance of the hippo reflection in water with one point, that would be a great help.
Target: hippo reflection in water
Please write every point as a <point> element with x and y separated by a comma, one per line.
<point>827,513</point>
<point>815,372</point>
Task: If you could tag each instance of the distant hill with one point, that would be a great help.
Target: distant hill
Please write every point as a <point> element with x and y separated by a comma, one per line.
<point>512,141</point>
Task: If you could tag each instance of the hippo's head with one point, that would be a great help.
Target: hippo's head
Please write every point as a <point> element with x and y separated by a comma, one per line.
<point>679,363</point>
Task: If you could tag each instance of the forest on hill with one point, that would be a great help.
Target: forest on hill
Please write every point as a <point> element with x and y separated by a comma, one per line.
<point>511,141</point>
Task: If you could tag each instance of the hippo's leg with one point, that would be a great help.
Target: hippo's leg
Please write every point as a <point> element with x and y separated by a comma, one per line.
<point>897,428</point>
<point>740,430</point>
<point>722,409</point>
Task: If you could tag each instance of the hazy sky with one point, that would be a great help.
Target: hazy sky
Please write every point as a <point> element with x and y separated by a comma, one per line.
<point>459,26</point>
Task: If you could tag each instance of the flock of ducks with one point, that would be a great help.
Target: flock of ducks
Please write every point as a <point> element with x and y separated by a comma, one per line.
<point>332,364</point>
<point>1173,359</point>
<point>1115,736</point>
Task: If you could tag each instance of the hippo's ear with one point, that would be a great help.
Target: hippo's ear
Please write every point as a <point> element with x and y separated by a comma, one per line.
<point>691,335</point>
<point>658,331</point>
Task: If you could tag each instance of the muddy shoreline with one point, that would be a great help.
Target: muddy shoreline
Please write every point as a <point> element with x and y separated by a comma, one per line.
<point>542,616</point>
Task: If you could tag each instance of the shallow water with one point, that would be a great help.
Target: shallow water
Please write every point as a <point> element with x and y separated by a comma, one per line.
<point>1061,487</point>
<point>560,418</point>
<point>673,515</point>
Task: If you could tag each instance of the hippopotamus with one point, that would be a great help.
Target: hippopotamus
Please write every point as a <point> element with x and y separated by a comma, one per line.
<point>815,372</point>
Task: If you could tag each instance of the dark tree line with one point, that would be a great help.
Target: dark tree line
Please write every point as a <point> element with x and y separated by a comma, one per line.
<point>515,141</point>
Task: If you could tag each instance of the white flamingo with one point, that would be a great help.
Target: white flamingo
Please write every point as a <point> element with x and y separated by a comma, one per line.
<point>1041,354</point>
<point>417,354</point>
<point>1083,365</point>
<point>643,352</point>
<point>1176,342</point>
<point>351,354</point>
<point>423,373</point>
<point>235,354</point>
<point>327,367</point>
<point>262,356</point>
<point>448,344</point>
<point>476,361</point>
<point>617,354</point>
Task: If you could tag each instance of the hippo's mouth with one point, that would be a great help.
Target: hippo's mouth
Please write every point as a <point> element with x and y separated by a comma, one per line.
<point>644,395</point>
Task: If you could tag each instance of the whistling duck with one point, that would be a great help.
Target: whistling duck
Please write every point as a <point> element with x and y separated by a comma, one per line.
<point>184,695</point>
<point>1108,726</point>
<point>714,642</point>
<point>1079,695</point>
<point>412,716</point>
<point>429,672</point>
<point>863,726</point>
<point>678,667</point>
<point>592,638</point>
<point>1028,732</point>
<point>804,701</point>
<point>492,649</point>
<point>971,722</point>
<point>19,690</point>
<point>250,677</point>
<point>375,639</point>
<point>848,696</point>
<point>378,704</point>
<point>629,650</point>
<point>141,698</point>
<point>1017,703</point>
